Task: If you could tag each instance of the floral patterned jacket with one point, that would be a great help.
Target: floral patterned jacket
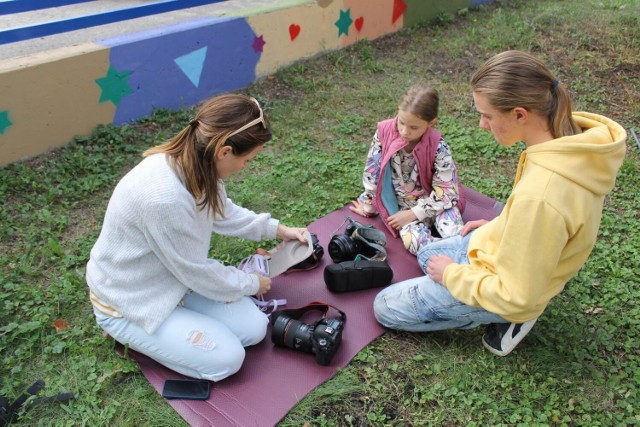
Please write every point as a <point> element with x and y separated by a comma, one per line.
<point>425,180</point>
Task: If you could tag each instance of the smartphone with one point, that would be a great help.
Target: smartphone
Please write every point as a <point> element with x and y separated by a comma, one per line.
<point>186,389</point>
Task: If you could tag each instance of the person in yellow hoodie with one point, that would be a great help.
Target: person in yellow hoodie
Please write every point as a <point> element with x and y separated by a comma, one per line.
<point>503,273</point>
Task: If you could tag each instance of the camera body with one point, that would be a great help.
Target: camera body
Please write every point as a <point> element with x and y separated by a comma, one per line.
<point>321,338</point>
<point>345,247</point>
<point>357,239</point>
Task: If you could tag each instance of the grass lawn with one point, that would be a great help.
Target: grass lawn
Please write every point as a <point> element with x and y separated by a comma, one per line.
<point>580,366</point>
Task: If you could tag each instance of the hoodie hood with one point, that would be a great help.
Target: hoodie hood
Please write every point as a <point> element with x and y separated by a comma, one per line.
<point>590,159</point>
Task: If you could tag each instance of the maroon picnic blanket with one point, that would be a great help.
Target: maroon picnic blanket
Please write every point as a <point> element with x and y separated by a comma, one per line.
<point>273,379</point>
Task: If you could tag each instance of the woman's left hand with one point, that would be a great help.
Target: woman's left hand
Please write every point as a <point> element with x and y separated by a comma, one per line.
<point>436,267</point>
<point>290,233</point>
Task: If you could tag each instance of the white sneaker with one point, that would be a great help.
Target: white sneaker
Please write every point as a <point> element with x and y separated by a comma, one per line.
<point>501,338</point>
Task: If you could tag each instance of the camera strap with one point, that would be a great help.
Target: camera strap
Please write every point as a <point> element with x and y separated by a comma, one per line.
<point>297,313</point>
<point>266,305</point>
<point>255,263</point>
<point>9,411</point>
<point>373,238</point>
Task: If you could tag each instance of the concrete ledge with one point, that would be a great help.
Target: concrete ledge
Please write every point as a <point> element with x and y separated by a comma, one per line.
<point>49,97</point>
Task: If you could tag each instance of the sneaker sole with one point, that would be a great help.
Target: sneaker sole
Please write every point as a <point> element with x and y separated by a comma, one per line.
<point>508,341</point>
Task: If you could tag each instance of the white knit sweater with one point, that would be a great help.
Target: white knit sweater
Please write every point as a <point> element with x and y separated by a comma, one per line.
<point>154,246</point>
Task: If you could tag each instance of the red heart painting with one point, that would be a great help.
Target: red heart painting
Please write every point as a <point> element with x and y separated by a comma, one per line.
<point>398,9</point>
<point>359,23</point>
<point>294,30</point>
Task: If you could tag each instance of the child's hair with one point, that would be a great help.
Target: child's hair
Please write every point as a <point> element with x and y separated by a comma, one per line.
<point>517,79</point>
<point>192,152</point>
<point>421,101</point>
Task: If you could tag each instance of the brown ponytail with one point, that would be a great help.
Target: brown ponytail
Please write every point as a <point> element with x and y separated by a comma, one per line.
<point>517,79</point>
<point>192,152</point>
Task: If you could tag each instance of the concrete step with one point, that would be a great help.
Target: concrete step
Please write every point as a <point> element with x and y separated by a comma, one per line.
<point>98,32</point>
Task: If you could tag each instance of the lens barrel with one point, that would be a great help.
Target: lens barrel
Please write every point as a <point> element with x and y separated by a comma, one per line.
<point>342,248</point>
<point>292,333</point>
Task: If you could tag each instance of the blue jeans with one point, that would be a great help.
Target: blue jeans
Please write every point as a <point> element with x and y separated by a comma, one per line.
<point>202,338</point>
<point>422,305</point>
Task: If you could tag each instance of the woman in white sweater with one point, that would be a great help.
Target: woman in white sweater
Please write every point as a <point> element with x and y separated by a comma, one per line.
<point>152,283</point>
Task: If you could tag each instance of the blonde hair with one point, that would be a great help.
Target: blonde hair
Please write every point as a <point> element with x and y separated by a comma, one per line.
<point>517,79</point>
<point>192,152</point>
<point>421,101</point>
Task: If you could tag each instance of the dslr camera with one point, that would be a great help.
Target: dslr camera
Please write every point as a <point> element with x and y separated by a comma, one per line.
<point>314,259</point>
<point>357,239</point>
<point>321,338</point>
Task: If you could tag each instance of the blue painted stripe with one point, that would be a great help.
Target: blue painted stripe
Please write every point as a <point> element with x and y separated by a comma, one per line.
<point>65,25</point>
<point>19,6</point>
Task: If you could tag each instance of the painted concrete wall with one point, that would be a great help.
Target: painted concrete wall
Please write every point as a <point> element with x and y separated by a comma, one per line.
<point>47,99</point>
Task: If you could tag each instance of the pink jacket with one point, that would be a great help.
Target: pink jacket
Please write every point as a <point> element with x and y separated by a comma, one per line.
<point>424,153</point>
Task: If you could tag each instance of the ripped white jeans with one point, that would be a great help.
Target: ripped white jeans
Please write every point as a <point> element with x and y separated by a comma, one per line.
<point>202,338</point>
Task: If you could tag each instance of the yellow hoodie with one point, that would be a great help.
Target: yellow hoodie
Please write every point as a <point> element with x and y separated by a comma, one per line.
<point>525,256</point>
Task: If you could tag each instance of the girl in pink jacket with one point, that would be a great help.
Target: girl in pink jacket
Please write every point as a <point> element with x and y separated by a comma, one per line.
<point>410,178</point>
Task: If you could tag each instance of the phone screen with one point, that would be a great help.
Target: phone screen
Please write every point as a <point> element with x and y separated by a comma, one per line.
<point>186,389</point>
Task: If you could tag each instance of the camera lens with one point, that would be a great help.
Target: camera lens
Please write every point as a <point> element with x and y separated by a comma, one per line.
<point>298,336</point>
<point>279,324</point>
<point>291,333</point>
<point>342,248</point>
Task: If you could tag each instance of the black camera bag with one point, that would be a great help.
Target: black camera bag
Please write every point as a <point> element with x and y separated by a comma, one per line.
<point>356,275</point>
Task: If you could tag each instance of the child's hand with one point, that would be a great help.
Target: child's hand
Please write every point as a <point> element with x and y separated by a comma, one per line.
<point>401,218</point>
<point>358,207</point>
<point>472,225</point>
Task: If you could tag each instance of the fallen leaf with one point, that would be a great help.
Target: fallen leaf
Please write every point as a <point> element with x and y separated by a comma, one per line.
<point>60,325</point>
